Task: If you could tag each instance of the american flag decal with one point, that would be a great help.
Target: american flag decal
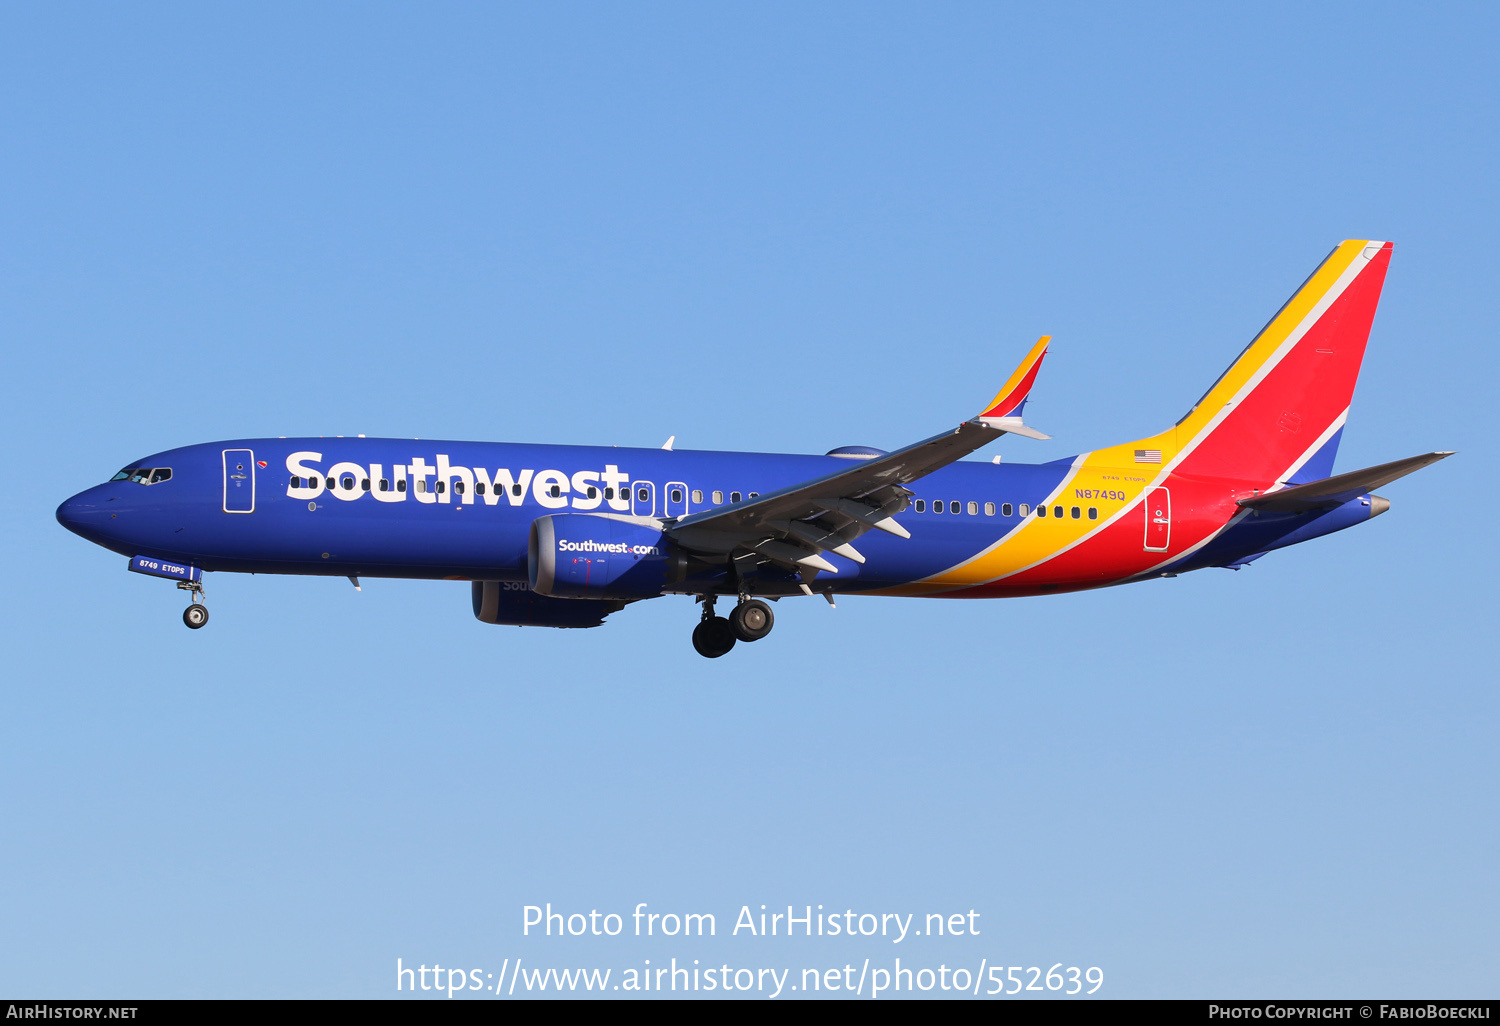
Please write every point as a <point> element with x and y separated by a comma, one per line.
<point>1148,455</point>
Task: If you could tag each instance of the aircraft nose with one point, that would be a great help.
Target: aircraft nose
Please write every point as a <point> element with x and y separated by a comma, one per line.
<point>71,513</point>
<point>83,514</point>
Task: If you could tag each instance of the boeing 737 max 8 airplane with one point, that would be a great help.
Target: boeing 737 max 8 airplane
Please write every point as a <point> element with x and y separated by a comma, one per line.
<point>563,536</point>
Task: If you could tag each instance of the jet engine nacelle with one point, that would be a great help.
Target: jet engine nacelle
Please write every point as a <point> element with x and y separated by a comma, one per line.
<point>514,605</point>
<point>600,556</point>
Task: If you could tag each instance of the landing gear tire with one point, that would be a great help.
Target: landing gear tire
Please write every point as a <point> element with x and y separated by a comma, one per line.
<point>713,637</point>
<point>751,620</point>
<point>195,616</point>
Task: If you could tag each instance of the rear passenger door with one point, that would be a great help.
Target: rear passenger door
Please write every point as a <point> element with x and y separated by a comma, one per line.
<point>1158,520</point>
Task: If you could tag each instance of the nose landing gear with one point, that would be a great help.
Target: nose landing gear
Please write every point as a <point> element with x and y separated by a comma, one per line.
<point>195,615</point>
<point>714,636</point>
<point>189,578</point>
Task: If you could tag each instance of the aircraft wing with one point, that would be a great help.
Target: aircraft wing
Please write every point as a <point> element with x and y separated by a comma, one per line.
<point>793,526</point>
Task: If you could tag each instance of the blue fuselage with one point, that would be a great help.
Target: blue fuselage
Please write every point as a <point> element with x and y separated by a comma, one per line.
<point>439,514</point>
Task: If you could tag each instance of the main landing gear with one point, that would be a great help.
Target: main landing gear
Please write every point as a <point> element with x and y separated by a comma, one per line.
<point>714,636</point>
<point>195,615</point>
<point>751,620</point>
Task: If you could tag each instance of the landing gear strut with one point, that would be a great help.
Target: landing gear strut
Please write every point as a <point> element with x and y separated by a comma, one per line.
<point>713,636</point>
<point>195,615</point>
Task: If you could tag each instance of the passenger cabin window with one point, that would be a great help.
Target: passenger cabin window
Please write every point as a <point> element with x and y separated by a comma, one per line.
<point>755,495</point>
<point>555,491</point>
<point>937,505</point>
<point>422,485</point>
<point>478,488</point>
<point>1057,512</point>
<point>1041,511</point>
<point>593,492</point>
<point>921,505</point>
<point>458,487</point>
<point>974,509</point>
<point>734,496</point>
<point>718,498</point>
<point>955,507</point>
<point>1005,509</point>
<point>364,485</point>
<point>296,482</point>
<point>385,485</point>
<point>1075,512</point>
<point>609,493</point>
<point>401,485</point>
<point>697,495</point>
<point>1025,510</point>
<point>515,489</point>
<point>1093,512</point>
<point>989,509</point>
<point>332,483</point>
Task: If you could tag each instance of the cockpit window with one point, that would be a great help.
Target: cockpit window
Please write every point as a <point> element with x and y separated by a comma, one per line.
<point>144,475</point>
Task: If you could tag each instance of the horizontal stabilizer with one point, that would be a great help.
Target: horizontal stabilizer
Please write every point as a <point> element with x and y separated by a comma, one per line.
<point>1339,489</point>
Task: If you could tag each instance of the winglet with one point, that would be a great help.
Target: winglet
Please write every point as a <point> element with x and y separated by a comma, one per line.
<point>1004,411</point>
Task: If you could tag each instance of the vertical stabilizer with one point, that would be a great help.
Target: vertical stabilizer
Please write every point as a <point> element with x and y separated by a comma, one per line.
<point>1277,413</point>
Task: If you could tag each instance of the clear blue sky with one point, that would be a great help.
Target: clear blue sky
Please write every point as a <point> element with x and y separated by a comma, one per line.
<point>770,226</point>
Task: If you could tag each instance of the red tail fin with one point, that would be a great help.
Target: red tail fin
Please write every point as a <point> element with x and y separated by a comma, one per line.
<point>1281,405</point>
